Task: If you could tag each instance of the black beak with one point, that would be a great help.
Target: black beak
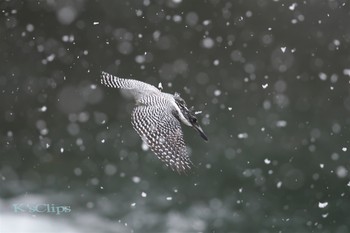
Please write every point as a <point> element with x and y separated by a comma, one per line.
<point>200,131</point>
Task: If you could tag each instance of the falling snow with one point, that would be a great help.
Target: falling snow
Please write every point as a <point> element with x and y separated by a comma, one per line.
<point>322,205</point>
<point>136,179</point>
<point>217,92</point>
<point>208,43</point>
<point>293,6</point>
<point>281,123</point>
<point>279,184</point>
<point>242,135</point>
<point>267,161</point>
<point>43,109</point>
<point>346,72</point>
<point>268,82</point>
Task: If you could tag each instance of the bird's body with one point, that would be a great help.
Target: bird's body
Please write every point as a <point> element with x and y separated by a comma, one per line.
<point>156,118</point>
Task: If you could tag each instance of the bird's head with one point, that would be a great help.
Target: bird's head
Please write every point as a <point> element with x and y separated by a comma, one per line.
<point>189,117</point>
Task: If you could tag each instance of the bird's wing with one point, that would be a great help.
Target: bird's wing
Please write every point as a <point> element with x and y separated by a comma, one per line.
<point>162,132</point>
<point>115,82</point>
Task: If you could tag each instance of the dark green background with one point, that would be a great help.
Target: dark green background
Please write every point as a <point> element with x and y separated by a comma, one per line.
<point>274,72</point>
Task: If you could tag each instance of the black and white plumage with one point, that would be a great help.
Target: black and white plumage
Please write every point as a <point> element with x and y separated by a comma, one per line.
<point>156,118</point>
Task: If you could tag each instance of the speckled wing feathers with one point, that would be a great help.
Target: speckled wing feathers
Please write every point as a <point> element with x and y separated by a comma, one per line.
<point>162,132</point>
<point>115,82</point>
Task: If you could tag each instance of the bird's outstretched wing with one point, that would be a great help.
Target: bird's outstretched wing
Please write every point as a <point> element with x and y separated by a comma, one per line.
<point>162,132</point>
<point>115,82</point>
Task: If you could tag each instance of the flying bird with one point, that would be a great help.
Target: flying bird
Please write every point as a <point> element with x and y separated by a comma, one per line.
<point>157,118</point>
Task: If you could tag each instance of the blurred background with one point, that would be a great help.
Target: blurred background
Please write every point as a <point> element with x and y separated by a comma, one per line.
<point>270,77</point>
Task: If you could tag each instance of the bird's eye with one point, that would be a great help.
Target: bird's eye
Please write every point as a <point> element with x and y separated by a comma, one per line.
<point>194,120</point>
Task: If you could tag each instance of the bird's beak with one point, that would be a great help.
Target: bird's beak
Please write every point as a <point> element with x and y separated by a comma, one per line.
<point>200,131</point>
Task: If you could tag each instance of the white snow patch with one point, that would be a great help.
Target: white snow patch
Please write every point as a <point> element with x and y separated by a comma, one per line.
<point>206,22</point>
<point>267,161</point>
<point>68,38</point>
<point>322,205</point>
<point>292,7</point>
<point>43,109</point>
<point>51,57</point>
<point>341,172</point>
<point>136,179</point>
<point>208,43</point>
<point>30,27</point>
<point>279,184</point>
<point>281,123</point>
<point>346,72</point>
<point>138,12</point>
<point>242,135</point>
<point>177,18</point>
<point>322,76</point>
<point>217,92</point>
<point>336,42</point>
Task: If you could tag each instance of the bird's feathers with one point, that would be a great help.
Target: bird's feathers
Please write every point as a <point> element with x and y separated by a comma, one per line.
<point>154,120</point>
<point>115,82</point>
<point>162,132</point>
